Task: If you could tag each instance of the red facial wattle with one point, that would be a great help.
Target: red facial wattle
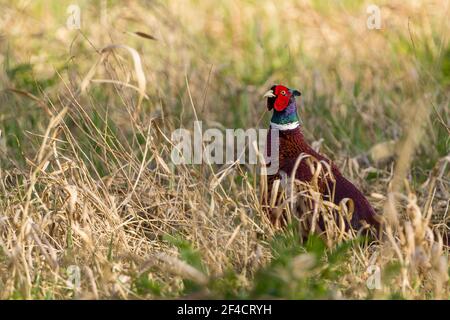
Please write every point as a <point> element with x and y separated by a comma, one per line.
<point>283,96</point>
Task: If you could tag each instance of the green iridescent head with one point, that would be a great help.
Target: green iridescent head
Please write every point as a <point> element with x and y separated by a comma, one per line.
<point>282,101</point>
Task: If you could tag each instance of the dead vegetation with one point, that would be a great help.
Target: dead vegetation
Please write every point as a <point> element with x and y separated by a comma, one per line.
<point>97,193</point>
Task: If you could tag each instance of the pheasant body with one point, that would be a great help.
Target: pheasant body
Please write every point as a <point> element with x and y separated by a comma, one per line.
<point>292,145</point>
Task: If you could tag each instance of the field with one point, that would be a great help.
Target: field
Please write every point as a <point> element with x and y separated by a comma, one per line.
<point>92,207</point>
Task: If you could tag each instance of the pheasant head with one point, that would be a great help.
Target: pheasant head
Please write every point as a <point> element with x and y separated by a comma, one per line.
<point>282,101</point>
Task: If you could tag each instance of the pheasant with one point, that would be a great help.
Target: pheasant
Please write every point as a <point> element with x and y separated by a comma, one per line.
<point>292,144</point>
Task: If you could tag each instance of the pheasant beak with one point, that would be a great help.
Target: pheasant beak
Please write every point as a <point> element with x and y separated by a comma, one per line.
<point>269,94</point>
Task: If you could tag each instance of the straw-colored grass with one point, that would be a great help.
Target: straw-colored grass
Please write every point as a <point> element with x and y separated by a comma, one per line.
<point>86,180</point>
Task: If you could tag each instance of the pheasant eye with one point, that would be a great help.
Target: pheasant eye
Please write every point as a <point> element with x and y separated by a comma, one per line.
<point>283,92</point>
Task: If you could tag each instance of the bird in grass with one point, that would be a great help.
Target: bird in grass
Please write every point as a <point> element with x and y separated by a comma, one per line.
<point>292,144</point>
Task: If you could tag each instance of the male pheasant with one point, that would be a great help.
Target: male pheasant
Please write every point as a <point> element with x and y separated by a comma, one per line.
<point>292,144</point>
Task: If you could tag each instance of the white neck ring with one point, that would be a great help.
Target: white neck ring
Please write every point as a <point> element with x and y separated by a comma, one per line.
<point>287,126</point>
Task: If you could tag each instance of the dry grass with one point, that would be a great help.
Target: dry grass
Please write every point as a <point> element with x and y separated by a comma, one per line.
<point>88,180</point>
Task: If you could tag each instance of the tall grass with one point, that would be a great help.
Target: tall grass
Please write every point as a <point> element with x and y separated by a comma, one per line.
<point>86,179</point>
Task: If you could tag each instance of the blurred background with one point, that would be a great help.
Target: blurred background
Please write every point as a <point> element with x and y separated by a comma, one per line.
<point>360,86</point>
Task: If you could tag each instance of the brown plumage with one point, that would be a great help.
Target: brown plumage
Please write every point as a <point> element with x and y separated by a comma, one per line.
<point>292,144</point>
